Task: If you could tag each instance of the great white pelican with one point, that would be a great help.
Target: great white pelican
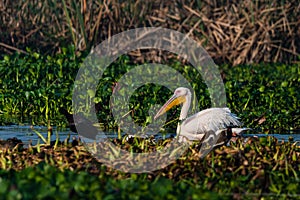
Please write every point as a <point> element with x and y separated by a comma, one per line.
<point>212,120</point>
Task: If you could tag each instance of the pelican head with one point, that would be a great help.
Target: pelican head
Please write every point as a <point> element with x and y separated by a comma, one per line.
<point>181,95</point>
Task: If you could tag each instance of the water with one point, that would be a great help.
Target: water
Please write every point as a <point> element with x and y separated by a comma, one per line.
<point>280,137</point>
<point>27,135</point>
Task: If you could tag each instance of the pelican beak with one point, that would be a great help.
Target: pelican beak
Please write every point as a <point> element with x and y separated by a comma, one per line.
<point>173,101</point>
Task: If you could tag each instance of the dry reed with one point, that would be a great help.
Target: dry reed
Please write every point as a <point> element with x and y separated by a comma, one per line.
<point>231,31</point>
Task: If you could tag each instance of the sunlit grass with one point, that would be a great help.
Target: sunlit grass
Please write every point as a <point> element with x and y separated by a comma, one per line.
<point>263,166</point>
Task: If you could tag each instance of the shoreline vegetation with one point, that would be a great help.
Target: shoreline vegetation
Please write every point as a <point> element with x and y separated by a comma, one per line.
<point>261,168</point>
<point>265,96</point>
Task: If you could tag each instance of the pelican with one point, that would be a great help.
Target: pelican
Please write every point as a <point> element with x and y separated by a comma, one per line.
<point>212,120</point>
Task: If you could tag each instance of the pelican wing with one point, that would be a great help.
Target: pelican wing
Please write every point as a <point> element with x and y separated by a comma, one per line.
<point>212,119</point>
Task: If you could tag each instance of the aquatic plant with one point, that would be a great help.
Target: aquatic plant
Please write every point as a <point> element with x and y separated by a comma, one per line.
<point>265,96</point>
<point>261,167</point>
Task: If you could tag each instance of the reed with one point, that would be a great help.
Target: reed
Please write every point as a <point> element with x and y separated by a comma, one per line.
<point>236,32</point>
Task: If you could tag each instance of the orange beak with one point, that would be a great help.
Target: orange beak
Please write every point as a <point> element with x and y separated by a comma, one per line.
<point>173,101</point>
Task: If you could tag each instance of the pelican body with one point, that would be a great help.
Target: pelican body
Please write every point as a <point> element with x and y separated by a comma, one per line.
<point>196,126</point>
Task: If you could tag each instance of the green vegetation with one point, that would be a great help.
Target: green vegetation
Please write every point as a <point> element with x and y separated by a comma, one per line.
<point>259,168</point>
<point>265,96</point>
<point>36,87</point>
<point>52,183</point>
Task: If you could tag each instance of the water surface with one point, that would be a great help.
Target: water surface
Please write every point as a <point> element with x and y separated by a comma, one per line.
<point>27,135</point>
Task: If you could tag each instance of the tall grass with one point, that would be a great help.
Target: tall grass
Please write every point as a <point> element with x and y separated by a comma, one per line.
<point>236,31</point>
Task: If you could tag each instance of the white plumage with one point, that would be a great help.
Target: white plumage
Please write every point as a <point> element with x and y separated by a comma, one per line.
<point>196,126</point>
